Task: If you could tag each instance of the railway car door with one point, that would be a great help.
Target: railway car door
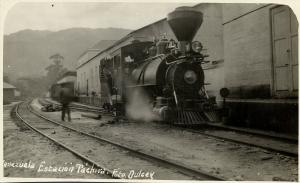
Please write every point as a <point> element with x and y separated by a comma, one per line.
<point>285,51</point>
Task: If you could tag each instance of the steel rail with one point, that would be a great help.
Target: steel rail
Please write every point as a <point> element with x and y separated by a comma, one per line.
<point>76,153</point>
<point>256,132</point>
<point>201,175</point>
<point>282,151</point>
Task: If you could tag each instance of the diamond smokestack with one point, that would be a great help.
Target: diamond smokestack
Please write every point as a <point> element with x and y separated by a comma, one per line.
<point>185,22</point>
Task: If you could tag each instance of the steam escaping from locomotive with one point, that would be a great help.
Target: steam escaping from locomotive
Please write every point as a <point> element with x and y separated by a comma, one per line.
<point>139,106</point>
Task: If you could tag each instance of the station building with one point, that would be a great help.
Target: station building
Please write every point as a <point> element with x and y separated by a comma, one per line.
<point>10,93</point>
<point>253,51</point>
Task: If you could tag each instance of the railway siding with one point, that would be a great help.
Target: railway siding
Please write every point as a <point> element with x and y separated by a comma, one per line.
<point>118,159</point>
<point>219,157</point>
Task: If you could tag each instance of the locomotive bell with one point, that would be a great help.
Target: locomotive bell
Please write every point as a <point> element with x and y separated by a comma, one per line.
<point>185,22</point>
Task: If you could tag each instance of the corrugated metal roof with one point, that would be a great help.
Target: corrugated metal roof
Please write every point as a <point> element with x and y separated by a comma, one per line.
<point>7,85</point>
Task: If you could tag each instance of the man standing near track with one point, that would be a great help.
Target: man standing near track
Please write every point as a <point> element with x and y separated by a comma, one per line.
<point>65,99</point>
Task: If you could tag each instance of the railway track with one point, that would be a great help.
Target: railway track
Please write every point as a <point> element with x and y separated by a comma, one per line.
<point>279,143</point>
<point>39,127</point>
<point>112,155</point>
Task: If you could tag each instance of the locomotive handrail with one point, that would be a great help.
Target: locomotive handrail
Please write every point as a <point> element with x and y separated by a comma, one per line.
<point>153,58</point>
<point>181,58</point>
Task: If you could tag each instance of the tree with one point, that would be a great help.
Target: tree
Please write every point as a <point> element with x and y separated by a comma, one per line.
<point>55,70</point>
<point>56,58</point>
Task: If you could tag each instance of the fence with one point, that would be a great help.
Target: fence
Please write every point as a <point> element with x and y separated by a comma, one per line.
<point>92,100</point>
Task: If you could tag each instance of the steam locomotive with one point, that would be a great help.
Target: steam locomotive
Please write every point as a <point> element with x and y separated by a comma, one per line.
<point>168,72</point>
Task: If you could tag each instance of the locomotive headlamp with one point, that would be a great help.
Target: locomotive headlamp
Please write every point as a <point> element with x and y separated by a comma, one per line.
<point>190,77</point>
<point>197,46</point>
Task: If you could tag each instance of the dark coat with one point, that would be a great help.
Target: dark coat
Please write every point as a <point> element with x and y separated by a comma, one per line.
<point>65,96</point>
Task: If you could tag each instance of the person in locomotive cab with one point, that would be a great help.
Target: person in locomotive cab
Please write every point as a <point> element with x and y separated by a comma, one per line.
<point>108,77</point>
<point>65,99</point>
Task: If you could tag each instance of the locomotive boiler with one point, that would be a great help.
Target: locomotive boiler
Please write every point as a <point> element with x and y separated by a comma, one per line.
<point>172,75</point>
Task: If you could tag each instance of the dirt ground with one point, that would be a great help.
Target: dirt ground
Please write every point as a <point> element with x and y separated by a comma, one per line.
<point>225,159</point>
<point>28,155</point>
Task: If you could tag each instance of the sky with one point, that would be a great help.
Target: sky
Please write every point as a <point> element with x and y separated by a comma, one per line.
<point>57,16</point>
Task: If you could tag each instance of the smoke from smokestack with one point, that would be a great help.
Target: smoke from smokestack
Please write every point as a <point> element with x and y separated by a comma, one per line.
<point>139,107</point>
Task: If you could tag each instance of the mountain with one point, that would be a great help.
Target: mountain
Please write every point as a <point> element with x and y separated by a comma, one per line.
<point>27,52</point>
